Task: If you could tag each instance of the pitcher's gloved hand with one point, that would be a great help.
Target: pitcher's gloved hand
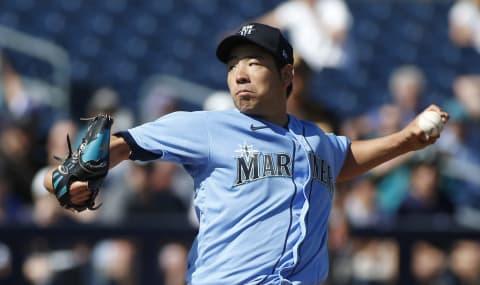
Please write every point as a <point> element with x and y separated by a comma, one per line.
<point>88,163</point>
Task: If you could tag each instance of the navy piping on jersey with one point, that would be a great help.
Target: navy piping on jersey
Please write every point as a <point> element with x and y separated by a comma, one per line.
<point>137,152</point>
<point>291,215</point>
<point>307,215</point>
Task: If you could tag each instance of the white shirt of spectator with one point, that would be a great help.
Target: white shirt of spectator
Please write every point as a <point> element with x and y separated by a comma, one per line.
<point>466,14</point>
<point>307,28</point>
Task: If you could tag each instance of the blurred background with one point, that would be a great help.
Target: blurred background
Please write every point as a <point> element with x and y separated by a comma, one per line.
<point>364,68</point>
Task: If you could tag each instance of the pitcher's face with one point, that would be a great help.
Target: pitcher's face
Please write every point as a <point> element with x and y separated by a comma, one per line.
<point>256,85</point>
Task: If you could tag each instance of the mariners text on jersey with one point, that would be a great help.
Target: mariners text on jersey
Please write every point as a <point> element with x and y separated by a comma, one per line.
<point>253,165</point>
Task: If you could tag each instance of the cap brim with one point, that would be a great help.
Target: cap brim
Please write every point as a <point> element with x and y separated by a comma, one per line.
<point>227,44</point>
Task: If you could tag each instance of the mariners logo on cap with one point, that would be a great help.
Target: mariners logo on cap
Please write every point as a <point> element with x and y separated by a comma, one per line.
<point>246,30</point>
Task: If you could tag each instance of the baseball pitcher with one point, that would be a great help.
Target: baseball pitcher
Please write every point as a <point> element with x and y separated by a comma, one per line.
<point>264,180</point>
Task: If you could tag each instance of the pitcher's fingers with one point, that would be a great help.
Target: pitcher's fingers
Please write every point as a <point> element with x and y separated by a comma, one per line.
<point>434,107</point>
<point>80,200</point>
<point>444,115</point>
<point>80,197</point>
<point>78,186</point>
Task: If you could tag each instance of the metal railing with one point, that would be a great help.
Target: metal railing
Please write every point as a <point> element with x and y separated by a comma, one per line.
<point>45,51</point>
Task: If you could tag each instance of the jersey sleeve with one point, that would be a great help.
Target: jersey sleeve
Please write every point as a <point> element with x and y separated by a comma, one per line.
<point>340,146</point>
<point>180,137</point>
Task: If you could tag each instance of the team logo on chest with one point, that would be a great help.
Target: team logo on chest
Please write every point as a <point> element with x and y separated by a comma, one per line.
<point>253,164</point>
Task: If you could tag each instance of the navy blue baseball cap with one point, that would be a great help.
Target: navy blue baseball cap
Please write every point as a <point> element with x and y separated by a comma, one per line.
<point>264,36</point>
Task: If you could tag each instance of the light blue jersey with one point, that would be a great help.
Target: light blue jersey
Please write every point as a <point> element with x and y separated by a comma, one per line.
<point>263,193</point>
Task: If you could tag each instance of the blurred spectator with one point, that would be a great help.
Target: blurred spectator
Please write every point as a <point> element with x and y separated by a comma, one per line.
<point>22,102</point>
<point>114,263</point>
<point>406,85</point>
<point>301,103</point>
<point>16,94</point>
<point>318,30</point>
<point>5,261</point>
<point>338,222</point>
<point>460,145</point>
<point>172,261</point>
<point>219,100</point>
<point>428,264</point>
<point>425,196</point>
<point>16,163</point>
<point>46,209</point>
<point>57,267</point>
<point>460,153</point>
<point>9,202</point>
<point>390,119</point>
<point>297,102</point>
<point>465,262</point>
<point>464,23</point>
<point>375,262</point>
<point>153,196</point>
<point>360,204</point>
<point>107,100</point>
<point>392,183</point>
<point>149,201</point>
<point>467,92</point>
<point>461,163</point>
<point>158,101</point>
<point>339,240</point>
<point>15,100</point>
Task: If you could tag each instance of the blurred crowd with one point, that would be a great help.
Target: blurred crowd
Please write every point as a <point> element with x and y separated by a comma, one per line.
<point>436,189</point>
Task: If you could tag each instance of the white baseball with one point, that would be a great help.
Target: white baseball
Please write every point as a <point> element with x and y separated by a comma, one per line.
<point>431,123</point>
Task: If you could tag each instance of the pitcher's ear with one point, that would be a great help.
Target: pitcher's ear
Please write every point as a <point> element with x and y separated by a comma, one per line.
<point>287,74</point>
